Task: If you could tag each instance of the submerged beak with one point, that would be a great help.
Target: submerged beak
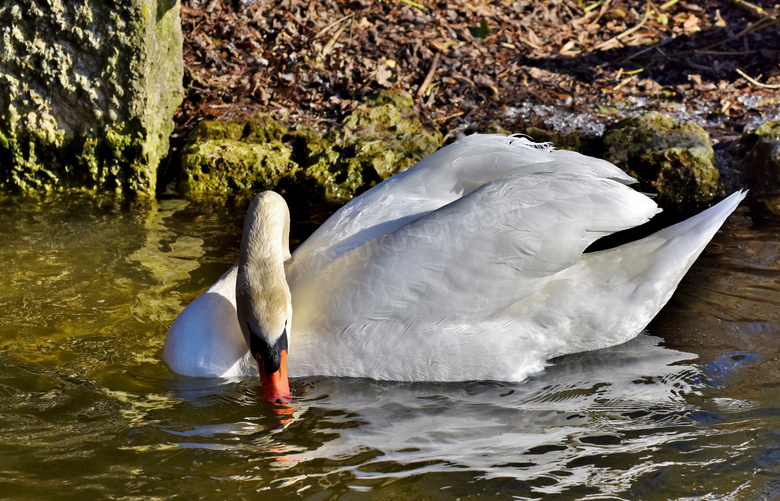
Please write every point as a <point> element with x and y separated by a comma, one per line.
<point>272,364</point>
<point>274,385</point>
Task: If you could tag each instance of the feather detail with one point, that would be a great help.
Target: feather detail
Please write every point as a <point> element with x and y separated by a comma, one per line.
<point>467,266</point>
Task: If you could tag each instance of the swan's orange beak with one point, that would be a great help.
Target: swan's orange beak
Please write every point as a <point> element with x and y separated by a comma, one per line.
<point>274,386</point>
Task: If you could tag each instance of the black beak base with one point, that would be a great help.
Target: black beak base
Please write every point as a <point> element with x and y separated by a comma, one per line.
<point>270,354</point>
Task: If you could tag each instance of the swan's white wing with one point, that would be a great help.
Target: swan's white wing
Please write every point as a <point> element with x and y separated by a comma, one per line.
<point>609,296</point>
<point>454,269</point>
<point>205,340</point>
<point>447,175</point>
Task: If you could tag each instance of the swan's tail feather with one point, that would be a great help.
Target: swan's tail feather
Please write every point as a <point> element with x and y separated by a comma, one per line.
<point>643,275</point>
<point>705,224</point>
<point>683,242</point>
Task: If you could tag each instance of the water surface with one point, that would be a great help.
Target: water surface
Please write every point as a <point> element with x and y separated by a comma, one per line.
<point>689,409</point>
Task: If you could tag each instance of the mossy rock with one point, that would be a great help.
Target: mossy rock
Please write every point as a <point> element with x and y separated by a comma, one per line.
<point>384,136</point>
<point>262,129</point>
<point>400,100</point>
<point>760,151</point>
<point>326,171</point>
<point>235,156</point>
<point>381,137</point>
<point>672,158</point>
<point>492,128</point>
<point>40,160</point>
<point>560,141</point>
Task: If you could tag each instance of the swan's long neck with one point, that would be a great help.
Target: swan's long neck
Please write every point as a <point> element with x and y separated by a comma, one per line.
<point>266,238</point>
<point>263,303</point>
<point>261,287</point>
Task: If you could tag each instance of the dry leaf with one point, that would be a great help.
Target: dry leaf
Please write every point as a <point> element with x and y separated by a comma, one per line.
<point>692,23</point>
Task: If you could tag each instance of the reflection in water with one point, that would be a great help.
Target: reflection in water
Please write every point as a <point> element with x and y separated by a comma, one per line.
<point>89,286</point>
<point>524,430</point>
<point>600,420</point>
<point>606,421</point>
<point>169,258</point>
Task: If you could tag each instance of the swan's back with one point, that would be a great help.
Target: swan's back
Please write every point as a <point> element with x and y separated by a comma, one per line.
<point>469,266</point>
<point>443,177</point>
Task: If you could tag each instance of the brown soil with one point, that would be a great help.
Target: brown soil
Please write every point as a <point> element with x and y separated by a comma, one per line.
<point>475,64</point>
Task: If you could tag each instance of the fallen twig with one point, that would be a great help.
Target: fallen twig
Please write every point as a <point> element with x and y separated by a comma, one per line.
<point>765,22</point>
<point>331,25</point>
<point>657,46</point>
<point>454,115</point>
<point>624,34</point>
<point>414,4</point>
<point>756,82</point>
<point>329,46</point>
<point>624,82</point>
<point>429,76</point>
<point>756,11</point>
<point>602,11</point>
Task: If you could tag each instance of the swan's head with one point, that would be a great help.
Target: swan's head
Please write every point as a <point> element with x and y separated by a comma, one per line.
<point>266,328</point>
<point>263,301</point>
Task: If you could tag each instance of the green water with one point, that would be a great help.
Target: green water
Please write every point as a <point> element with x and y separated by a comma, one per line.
<point>88,410</point>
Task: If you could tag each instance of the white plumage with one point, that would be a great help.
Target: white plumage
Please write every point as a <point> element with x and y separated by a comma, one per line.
<point>468,266</point>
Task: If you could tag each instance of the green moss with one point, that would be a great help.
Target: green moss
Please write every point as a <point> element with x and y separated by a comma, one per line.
<point>401,101</point>
<point>673,158</point>
<point>381,137</point>
<point>30,160</point>
<point>237,156</point>
<point>323,174</point>
<point>262,129</point>
<point>88,157</point>
<point>686,175</point>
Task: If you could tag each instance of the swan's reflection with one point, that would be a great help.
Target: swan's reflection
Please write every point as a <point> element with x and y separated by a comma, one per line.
<point>622,400</point>
<point>581,402</point>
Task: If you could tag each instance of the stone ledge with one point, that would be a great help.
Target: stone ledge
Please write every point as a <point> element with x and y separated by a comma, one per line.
<point>87,93</point>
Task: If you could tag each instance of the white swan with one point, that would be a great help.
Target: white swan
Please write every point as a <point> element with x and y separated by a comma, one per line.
<point>467,266</point>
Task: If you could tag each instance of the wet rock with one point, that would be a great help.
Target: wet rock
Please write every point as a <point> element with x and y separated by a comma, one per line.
<point>674,159</point>
<point>87,93</point>
<point>759,151</point>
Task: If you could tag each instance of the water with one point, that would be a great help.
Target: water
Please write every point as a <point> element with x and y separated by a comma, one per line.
<point>688,410</point>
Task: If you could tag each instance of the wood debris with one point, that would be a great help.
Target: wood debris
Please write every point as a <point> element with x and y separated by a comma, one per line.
<point>467,63</point>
